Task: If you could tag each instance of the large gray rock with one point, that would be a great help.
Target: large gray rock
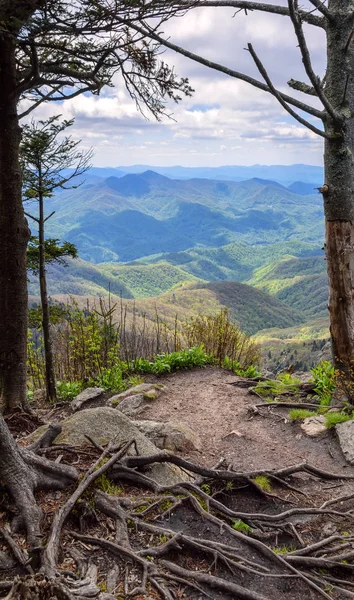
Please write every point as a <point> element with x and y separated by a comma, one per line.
<point>132,406</point>
<point>170,435</point>
<point>314,426</point>
<point>104,424</point>
<point>345,432</point>
<point>86,396</point>
<point>137,399</point>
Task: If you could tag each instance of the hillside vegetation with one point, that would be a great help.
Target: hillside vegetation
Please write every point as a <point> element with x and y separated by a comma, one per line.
<point>127,218</point>
<point>299,282</point>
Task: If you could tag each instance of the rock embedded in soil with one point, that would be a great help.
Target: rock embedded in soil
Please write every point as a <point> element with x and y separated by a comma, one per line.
<point>137,399</point>
<point>314,426</point>
<point>104,424</point>
<point>86,396</point>
<point>345,432</point>
<point>170,436</point>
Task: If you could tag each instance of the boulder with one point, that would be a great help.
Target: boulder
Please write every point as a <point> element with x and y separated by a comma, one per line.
<point>142,388</point>
<point>170,435</point>
<point>314,426</point>
<point>104,424</point>
<point>132,405</point>
<point>345,432</point>
<point>85,396</point>
<point>134,401</point>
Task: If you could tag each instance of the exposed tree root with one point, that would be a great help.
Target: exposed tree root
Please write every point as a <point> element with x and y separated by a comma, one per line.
<point>145,551</point>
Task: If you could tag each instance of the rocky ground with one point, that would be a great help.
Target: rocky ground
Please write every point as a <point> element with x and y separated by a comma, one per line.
<point>198,523</point>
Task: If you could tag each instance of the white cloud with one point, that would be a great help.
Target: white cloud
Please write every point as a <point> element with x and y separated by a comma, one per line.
<point>226,120</point>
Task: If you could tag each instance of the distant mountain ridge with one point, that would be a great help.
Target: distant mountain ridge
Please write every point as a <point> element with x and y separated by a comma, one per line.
<point>127,218</point>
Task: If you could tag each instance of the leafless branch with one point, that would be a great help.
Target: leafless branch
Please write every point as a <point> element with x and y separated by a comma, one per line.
<point>306,16</point>
<point>306,59</point>
<point>279,97</point>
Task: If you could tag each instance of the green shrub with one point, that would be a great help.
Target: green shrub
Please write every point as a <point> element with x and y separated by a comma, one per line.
<point>272,388</point>
<point>234,366</point>
<point>174,361</point>
<point>222,338</point>
<point>333,418</point>
<point>324,377</point>
<point>67,390</point>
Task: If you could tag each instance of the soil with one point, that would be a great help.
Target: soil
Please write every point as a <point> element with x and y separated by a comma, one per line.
<point>212,405</point>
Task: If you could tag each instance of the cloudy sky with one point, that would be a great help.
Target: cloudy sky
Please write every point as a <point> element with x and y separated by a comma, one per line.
<point>226,121</point>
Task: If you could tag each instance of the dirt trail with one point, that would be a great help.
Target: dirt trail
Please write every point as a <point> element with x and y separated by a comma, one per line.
<point>209,402</point>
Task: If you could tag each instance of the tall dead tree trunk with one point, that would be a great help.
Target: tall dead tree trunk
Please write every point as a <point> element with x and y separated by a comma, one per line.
<point>338,191</point>
<point>48,353</point>
<point>13,239</point>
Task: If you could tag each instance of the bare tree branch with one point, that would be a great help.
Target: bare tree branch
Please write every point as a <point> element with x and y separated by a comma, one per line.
<point>308,17</point>
<point>278,96</point>
<point>235,74</point>
<point>322,8</point>
<point>306,59</point>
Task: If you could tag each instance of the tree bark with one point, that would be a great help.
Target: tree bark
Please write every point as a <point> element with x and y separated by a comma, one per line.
<point>13,239</point>
<point>48,353</point>
<point>338,191</point>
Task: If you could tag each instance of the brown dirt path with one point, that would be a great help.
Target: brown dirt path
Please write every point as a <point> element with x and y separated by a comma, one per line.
<point>207,401</point>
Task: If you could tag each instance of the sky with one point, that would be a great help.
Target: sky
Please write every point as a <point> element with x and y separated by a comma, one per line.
<point>226,121</point>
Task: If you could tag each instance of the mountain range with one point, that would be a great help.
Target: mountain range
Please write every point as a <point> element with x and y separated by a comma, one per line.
<point>194,245</point>
<point>137,215</point>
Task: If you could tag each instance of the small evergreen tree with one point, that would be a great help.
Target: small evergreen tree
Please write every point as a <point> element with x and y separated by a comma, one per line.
<point>49,162</point>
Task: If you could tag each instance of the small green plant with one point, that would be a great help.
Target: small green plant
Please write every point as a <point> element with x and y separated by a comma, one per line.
<point>324,377</point>
<point>272,388</point>
<point>263,482</point>
<point>283,549</point>
<point>67,390</point>
<point>241,526</point>
<point>106,485</point>
<point>297,414</point>
<point>234,366</point>
<point>333,418</point>
<point>206,488</point>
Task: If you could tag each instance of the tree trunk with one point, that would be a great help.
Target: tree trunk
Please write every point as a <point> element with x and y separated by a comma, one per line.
<point>338,191</point>
<point>49,363</point>
<point>14,235</point>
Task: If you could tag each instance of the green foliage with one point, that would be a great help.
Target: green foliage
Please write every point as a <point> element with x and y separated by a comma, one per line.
<point>222,338</point>
<point>297,414</point>
<point>106,485</point>
<point>283,549</point>
<point>206,488</point>
<point>54,251</point>
<point>235,367</point>
<point>241,526</point>
<point>333,418</point>
<point>110,378</point>
<point>272,388</point>
<point>324,377</point>
<point>67,390</point>
<point>263,482</point>
<point>174,361</point>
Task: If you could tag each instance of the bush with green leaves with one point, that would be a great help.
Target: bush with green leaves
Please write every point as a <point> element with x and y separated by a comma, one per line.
<point>173,361</point>
<point>273,388</point>
<point>222,338</point>
<point>323,375</point>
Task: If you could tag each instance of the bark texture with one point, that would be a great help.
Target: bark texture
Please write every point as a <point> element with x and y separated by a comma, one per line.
<point>13,239</point>
<point>338,194</point>
<point>48,353</point>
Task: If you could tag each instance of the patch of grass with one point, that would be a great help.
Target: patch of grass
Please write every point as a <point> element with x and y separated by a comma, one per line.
<point>107,486</point>
<point>241,526</point>
<point>263,482</point>
<point>333,418</point>
<point>174,361</point>
<point>297,414</point>
<point>283,549</point>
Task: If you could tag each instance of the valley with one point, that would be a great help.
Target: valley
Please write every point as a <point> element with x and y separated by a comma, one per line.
<point>186,246</point>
